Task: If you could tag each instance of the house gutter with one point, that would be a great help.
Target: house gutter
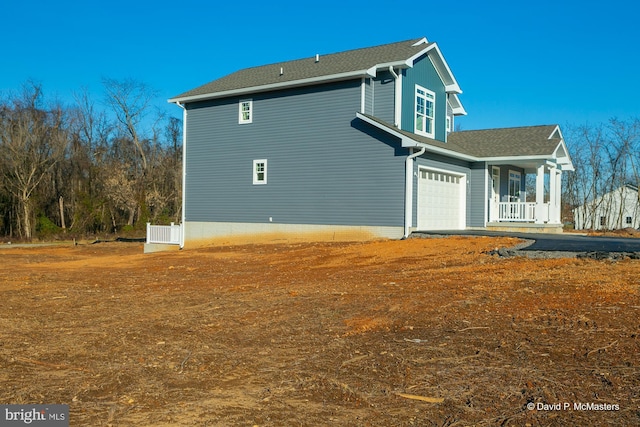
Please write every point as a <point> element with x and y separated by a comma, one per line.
<point>408,196</point>
<point>184,171</point>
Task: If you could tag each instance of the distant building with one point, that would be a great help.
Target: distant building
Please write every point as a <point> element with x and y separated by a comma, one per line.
<point>617,209</point>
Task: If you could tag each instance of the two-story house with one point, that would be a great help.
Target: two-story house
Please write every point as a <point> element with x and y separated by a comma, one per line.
<point>356,145</point>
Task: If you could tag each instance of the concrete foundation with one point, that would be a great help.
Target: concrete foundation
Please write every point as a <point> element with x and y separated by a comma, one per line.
<point>159,247</point>
<point>519,227</point>
<point>199,234</point>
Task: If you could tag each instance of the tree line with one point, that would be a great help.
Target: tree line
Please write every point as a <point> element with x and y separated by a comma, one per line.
<point>111,165</point>
<point>94,167</point>
<point>606,157</point>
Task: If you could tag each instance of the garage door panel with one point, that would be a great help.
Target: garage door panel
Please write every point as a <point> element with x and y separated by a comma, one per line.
<point>440,205</point>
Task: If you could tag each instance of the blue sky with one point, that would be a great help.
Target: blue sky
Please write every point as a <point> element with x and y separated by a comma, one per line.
<point>518,63</point>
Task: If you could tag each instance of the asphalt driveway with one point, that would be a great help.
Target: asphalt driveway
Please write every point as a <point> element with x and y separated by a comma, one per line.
<point>558,242</point>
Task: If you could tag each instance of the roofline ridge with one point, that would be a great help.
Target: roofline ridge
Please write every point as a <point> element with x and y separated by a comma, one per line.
<point>506,128</point>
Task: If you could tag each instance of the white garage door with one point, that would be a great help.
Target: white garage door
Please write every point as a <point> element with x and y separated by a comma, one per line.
<point>441,203</point>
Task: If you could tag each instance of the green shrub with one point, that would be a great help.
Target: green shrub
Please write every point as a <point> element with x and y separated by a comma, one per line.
<point>45,227</point>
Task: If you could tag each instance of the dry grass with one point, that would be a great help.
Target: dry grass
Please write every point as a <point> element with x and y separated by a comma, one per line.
<point>395,333</point>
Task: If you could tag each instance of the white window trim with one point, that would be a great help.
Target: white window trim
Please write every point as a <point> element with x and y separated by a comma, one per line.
<point>241,119</point>
<point>256,180</point>
<point>415,111</point>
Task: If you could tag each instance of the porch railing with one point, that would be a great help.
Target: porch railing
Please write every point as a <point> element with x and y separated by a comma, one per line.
<point>164,234</point>
<point>517,211</point>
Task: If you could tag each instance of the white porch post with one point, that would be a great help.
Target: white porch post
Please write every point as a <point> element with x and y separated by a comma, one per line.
<point>554,211</point>
<point>540,216</point>
<point>559,194</point>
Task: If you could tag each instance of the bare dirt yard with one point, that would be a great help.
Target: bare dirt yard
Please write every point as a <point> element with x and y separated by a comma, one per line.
<point>420,332</point>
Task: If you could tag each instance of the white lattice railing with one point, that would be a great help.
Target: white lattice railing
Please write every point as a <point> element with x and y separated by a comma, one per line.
<point>165,234</point>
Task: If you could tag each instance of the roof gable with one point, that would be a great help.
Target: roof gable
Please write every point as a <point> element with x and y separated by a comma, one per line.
<point>507,142</point>
<point>323,68</point>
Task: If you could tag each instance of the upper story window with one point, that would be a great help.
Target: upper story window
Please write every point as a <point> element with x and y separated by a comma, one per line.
<point>245,111</point>
<point>425,112</point>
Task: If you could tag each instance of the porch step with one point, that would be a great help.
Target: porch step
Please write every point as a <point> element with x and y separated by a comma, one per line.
<point>524,228</point>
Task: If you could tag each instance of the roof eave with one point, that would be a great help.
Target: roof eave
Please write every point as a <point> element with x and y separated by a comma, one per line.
<point>441,65</point>
<point>408,142</point>
<point>273,86</point>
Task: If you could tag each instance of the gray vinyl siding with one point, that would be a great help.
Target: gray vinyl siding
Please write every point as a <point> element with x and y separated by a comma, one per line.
<point>380,97</point>
<point>384,90</point>
<point>324,165</point>
<point>368,97</point>
<point>437,161</point>
<point>478,197</point>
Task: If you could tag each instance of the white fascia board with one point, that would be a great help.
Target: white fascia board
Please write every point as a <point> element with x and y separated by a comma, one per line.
<point>274,86</point>
<point>562,154</point>
<point>452,88</point>
<point>373,71</point>
<point>456,105</point>
<point>441,66</point>
<point>513,159</point>
<point>421,41</point>
<point>556,130</point>
<point>408,142</point>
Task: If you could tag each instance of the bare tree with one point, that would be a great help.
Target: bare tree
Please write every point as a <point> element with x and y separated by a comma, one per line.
<point>130,101</point>
<point>33,139</point>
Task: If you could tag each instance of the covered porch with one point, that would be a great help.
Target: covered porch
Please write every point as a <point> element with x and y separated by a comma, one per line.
<point>525,195</point>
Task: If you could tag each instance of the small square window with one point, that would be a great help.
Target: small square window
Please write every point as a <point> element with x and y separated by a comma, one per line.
<point>259,172</point>
<point>629,220</point>
<point>245,111</point>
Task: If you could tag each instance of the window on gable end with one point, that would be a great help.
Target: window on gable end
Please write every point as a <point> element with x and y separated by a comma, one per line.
<point>259,172</point>
<point>245,111</point>
<point>425,107</point>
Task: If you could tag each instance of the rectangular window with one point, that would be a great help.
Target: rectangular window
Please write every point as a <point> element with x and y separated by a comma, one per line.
<point>629,220</point>
<point>245,111</point>
<point>259,172</point>
<point>603,220</point>
<point>425,112</point>
<point>515,180</point>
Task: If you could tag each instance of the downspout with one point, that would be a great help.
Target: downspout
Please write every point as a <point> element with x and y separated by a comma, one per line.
<point>408,196</point>
<point>398,97</point>
<point>184,171</point>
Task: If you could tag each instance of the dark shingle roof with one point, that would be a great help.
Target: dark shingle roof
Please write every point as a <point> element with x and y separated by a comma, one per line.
<point>490,143</point>
<point>351,61</point>
<point>507,142</point>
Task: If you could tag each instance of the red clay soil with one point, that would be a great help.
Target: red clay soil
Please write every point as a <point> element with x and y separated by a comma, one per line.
<point>424,332</point>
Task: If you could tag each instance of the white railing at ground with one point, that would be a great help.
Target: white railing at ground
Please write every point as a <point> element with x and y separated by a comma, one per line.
<point>517,211</point>
<point>164,234</point>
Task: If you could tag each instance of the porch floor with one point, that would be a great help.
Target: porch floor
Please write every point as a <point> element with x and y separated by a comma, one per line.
<point>526,227</point>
